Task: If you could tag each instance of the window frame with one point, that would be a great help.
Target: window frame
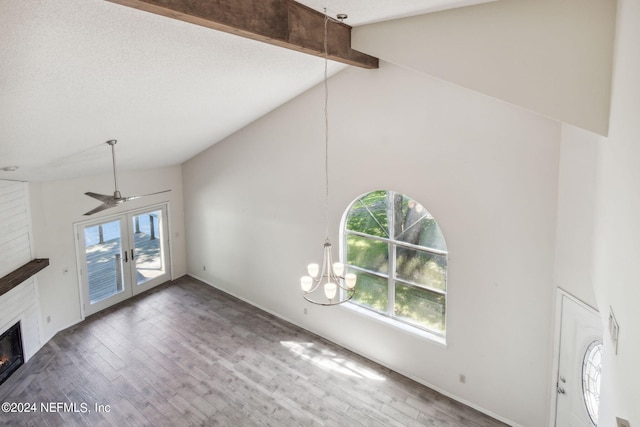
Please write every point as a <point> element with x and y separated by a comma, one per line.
<point>388,316</point>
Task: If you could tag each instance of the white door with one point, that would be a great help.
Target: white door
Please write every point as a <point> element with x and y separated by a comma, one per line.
<point>579,361</point>
<point>121,256</point>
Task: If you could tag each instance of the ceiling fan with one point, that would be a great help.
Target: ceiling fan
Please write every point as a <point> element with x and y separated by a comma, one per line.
<point>116,199</point>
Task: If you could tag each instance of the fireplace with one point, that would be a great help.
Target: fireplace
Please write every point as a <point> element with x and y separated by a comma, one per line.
<point>11,355</point>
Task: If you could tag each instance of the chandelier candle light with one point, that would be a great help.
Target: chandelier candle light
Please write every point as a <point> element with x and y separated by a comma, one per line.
<point>329,285</point>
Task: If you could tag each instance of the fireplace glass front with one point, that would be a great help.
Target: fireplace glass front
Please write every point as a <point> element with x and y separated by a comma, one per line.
<point>11,355</point>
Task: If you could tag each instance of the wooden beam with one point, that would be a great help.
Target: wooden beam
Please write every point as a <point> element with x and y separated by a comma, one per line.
<point>21,274</point>
<point>283,23</point>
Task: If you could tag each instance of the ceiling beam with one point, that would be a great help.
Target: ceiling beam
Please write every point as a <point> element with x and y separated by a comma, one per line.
<point>283,23</point>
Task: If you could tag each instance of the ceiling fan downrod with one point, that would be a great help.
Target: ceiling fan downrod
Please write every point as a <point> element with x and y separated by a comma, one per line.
<point>116,193</point>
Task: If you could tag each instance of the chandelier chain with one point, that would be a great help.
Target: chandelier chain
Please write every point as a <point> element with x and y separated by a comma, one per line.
<point>326,123</point>
<point>328,278</point>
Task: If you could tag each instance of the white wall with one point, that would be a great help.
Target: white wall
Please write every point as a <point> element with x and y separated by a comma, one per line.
<point>15,226</point>
<point>486,170</point>
<point>617,275</point>
<point>57,205</point>
<point>573,266</point>
<point>20,304</point>
<point>549,56</point>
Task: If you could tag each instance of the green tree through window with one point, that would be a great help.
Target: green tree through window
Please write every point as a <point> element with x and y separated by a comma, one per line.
<point>398,252</point>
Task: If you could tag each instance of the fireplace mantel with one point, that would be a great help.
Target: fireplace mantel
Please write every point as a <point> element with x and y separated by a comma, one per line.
<point>21,274</point>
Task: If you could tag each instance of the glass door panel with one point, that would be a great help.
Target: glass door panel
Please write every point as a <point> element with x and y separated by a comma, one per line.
<point>149,249</point>
<point>103,248</point>
<point>106,278</point>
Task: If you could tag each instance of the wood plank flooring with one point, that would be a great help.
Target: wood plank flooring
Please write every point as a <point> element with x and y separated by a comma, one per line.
<point>186,354</point>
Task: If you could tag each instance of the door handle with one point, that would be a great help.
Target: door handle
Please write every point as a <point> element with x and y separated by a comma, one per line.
<point>132,255</point>
<point>125,257</point>
<point>560,390</point>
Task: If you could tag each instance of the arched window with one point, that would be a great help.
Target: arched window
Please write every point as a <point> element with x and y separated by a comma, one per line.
<point>400,256</point>
<point>591,368</point>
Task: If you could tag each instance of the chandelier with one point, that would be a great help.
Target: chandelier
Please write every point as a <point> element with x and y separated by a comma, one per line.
<point>327,284</point>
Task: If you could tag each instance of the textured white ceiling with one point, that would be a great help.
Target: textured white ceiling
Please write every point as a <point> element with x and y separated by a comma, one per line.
<point>75,73</point>
<point>369,11</point>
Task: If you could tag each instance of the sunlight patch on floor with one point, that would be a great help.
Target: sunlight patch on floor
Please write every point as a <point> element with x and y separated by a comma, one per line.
<point>330,361</point>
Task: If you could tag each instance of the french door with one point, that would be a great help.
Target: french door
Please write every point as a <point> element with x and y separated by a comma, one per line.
<point>122,256</point>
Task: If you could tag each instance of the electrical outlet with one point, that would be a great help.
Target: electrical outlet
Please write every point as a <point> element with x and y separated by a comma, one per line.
<point>204,268</point>
<point>463,378</point>
<point>622,423</point>
<point>305,310</point>
<point>48,319</point>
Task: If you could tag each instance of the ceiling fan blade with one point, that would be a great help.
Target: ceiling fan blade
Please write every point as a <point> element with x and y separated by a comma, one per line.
<point>100,208</point>
<point>145,195</point>
<point>102,197</point>
<point>109,201</point>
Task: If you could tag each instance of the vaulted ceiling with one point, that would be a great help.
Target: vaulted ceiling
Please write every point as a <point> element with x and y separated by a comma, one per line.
<point>76,73</point>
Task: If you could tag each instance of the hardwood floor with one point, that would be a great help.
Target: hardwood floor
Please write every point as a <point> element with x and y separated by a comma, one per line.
<point>187,354</point>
